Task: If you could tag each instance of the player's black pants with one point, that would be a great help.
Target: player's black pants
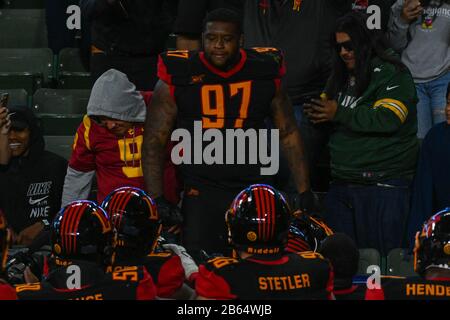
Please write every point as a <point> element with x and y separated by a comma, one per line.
<point>204,226</point>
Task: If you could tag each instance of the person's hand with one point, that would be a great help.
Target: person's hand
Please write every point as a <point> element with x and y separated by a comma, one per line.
<point>170,215</point>
<point>411,10</point>
<point>320,110</point>
<point>306,202</point>
<point>5,122</point>
<point>29,276</point>
<point>27,235</point>
<point>188,263</point>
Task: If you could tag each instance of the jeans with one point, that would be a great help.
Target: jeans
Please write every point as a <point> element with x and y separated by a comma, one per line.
<point>432,102</point>
<point>375,216</point>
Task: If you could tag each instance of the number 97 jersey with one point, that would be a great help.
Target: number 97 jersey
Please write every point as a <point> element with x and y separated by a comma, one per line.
<point>209,98</point>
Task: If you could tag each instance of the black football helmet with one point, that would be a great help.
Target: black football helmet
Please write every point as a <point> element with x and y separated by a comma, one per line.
<point>432,247</point>
<point>135,219</point>
<point>5,239</point>
<point>81,231</point>
<point>306,232</point>
<point>258,220</point>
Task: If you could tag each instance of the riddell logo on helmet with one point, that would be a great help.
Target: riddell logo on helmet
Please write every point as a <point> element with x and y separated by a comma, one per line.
<point>263,251</point>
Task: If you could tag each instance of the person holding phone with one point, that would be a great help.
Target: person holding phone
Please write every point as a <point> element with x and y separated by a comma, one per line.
<point>371,102</point>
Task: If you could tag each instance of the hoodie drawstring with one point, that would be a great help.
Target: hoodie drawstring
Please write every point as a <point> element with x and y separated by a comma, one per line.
<point>125,148</point>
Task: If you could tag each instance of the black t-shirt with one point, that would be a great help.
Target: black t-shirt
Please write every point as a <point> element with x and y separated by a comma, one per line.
<point>138,27</point>
<point>238,98</point>
<point>303,33</point>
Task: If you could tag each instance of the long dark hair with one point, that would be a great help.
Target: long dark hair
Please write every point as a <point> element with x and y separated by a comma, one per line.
<point>367,44</point>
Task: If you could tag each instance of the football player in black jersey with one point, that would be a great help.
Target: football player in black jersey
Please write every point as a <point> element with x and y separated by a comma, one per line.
<point>431,263</point>
<point>222,88</point>
<point>81,235</point>
<point>137,226</point>
<point>258,222</point>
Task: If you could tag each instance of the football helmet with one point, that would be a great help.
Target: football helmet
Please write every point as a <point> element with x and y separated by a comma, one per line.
<point>82,231</point>
<point>306,232</point>
<point>258,220</point>
<point>135,220</point>
<point>432,246</point>
<point>5,238</point>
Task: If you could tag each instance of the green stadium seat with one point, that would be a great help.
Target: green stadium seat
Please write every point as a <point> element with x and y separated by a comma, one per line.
<point>25,4</point>
<point>368,257</point>
<point>61,145</point>
<point>29,69</point>
<point>58,124</point>
<point>400,263</point>
<point>23,28</point>
<point>71,73</point>
<point>60,101</point>
<point>17,97</point>
<point>60,111</point>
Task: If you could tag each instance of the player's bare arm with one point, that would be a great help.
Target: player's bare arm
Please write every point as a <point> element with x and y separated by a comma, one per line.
<point>159,123</point>
<point>290,139</point>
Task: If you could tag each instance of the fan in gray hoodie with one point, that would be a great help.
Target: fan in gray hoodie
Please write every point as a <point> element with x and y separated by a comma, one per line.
<point>422,35</point>
<point>108,141</point>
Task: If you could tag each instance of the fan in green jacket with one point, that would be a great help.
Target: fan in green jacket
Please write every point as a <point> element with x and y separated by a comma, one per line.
<point>371,100</point>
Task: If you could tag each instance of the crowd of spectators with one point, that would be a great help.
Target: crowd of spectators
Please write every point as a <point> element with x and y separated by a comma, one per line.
<point>363,116</point>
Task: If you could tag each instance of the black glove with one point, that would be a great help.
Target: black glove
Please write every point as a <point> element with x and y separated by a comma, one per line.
<point>169,213</point>
<point>306,201</point>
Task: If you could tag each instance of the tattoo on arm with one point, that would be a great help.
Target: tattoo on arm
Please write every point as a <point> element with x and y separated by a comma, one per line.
<point>159,123</point>
<point>290,139</point>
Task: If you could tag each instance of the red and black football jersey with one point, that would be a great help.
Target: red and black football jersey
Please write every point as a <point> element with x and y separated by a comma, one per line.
<point>165,268</point>
<point>117,161</point>
<point>305,275</point>
<point>167,272</point>
<point>7,292</point>
<point>236,99</point>
<point>355,292</point>
<point>130,283</point>
<point>411,288</point>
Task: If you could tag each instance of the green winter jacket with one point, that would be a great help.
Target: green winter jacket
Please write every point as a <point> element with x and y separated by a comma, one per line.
<point>375,137</point>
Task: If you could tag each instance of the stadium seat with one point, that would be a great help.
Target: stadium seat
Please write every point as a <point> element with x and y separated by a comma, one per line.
<point>60,111</point>
<point>71,73</point>
<point>23,28</point>
<point>24,4</point>
<point>25,68</point>
<point>400,263</point>
<point>59,101</point>
<point>17,97</point>
<point>61,145</point>
<point>368,257</point>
